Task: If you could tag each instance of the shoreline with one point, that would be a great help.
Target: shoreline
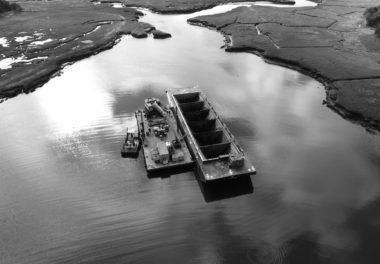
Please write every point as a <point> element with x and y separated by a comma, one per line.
<point>354,97</point>
<point>190,10</point>
<point>354,117</point>
<point>43,73</point>
<point>52,71</point>
<point>100,31</point>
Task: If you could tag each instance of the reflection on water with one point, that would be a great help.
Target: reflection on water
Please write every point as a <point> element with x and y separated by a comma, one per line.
<point>66,195</point>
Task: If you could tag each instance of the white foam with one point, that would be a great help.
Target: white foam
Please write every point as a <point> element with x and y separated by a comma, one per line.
<point>105,23</point>
<point>7,63</point>
<point>92,31</point>
<point>41,42</point>
<point>22,39</point>
<point>37,58</point>
<point>117,5</point>
<point>4,42</point>
<point>38,34</point>
<point>229,6</point>
<point>298,3</point>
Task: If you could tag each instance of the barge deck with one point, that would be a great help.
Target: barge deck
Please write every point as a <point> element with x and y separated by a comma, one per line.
<point>163,145</point>
<point>217,153</point>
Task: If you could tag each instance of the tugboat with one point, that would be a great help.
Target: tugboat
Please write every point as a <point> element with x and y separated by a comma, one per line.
<point>131,145</point>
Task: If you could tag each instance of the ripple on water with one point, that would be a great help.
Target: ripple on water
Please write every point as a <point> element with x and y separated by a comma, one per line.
<point>66,195</point>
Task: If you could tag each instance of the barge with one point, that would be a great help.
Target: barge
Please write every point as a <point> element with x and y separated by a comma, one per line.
<point>163,143</point>
<point>216,152</point>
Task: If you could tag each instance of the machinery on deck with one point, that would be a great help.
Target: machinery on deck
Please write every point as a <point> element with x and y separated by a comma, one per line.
<point>163,144</point>
<point>188,128</point>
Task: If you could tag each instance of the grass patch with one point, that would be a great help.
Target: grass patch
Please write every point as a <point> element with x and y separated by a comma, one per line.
<point>372,16</point>
<point>6,6</point>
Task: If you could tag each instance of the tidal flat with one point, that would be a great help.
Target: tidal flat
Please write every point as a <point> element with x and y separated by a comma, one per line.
<point>330,41</point>
<point>67,196</point>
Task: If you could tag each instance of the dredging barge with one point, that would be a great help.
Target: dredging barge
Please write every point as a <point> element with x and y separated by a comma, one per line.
<point>163,143</point>
<point>216,152</point>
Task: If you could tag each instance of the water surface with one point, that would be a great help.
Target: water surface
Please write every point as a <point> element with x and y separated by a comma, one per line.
<point>66,195</point>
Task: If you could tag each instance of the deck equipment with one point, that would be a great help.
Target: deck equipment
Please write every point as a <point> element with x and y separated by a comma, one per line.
<point>164,146</point>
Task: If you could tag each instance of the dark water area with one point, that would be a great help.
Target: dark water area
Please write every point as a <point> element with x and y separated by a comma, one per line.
<point>67,196</point>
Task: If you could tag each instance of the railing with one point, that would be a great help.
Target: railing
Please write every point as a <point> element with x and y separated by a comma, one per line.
<point>221,123</point>
<point>189,133</point>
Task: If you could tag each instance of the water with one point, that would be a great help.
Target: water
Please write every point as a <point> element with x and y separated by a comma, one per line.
<point>66,195</point>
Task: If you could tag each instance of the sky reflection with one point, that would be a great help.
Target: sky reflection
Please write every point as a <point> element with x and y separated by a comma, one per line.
<point>66,195</point>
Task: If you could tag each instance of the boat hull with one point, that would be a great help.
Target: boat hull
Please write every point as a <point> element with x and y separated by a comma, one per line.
<point>130,153</point>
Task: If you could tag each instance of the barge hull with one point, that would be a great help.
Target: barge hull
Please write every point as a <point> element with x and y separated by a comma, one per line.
<point>209,140</point>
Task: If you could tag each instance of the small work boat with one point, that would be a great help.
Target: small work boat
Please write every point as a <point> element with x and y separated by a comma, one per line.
<point>131,145</point>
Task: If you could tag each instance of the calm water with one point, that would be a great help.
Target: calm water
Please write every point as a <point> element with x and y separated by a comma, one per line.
<point>66,195</point>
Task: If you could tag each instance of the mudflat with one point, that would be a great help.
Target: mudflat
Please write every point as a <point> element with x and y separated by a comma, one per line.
<point>36,42</point>
<point>330,42</point>
<point>187,6</point>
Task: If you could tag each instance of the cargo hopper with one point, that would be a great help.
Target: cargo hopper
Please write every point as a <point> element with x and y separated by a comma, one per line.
<point>216,151</point>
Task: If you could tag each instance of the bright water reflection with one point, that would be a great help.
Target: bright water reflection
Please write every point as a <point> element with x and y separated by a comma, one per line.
<point>66,195</point>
